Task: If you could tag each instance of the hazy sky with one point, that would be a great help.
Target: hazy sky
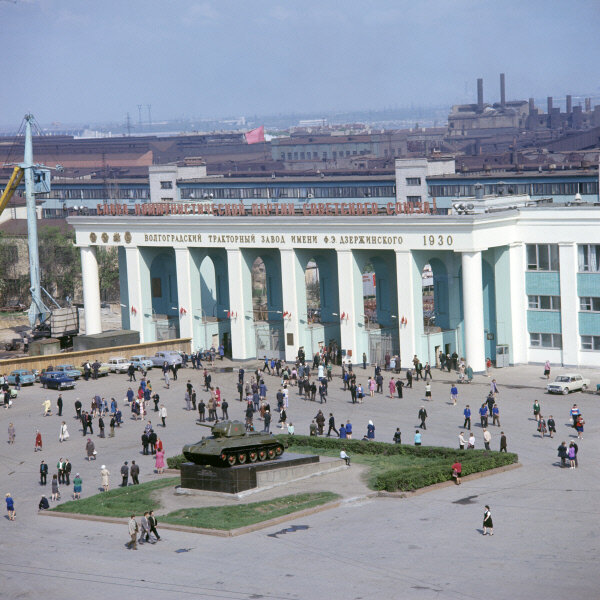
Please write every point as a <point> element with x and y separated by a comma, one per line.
<point>77,60</point>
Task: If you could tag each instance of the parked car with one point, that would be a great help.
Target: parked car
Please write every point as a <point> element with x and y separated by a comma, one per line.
<point>169,356</point>
<point>141,362</point>
<point>69,371</point>
<point>27,377</point>
<point>570,382</point>
<point>56,380</point>
<point>103,370</point>
<point>118,364</point>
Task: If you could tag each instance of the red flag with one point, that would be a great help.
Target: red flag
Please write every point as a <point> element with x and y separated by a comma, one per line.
<point>256,135</point>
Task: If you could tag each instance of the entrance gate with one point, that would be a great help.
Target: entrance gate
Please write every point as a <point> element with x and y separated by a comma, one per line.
<point>382,342</point>
<point>269,340</point>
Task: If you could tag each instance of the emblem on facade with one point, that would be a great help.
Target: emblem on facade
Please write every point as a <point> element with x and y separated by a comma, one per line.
<point>128,237</point>
<point>105,237</point>
<point>117,237</point>
<point>93,238</point>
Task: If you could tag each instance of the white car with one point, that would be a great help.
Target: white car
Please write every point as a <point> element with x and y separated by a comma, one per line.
<point>570,382</point>
<point>168,356</point>
<point>118,364</point>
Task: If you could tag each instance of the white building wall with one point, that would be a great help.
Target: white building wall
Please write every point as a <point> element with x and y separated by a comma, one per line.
<point>421,168</point>
<point>169,174</point>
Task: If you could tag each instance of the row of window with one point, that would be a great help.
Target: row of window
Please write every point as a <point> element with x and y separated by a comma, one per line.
<point>533,189</point>
<point>276,193</point>
<point>544,257</point>
<point>586,303</point>
<point>112,191</point>
<point>554,340</point>
<point>324,154</point>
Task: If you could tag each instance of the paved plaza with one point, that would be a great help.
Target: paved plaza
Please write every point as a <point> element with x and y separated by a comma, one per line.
<point>429,546</point>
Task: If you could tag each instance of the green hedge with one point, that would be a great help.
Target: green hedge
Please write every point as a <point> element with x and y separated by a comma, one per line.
<point>393,478</point>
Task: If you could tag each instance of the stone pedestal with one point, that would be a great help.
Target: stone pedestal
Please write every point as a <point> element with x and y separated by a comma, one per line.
<point>237,479</point>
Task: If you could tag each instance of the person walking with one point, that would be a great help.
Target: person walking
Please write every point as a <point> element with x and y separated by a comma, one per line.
<point>487,521</point>
<point>399,386</point>
<point>397,439</point>
<point>67,466</point>
<point>541,426</point>
<point>428,391</point>
<point>547,369</point>
<point>370,431</point>
<point>495,415</point>
<point>10,507</point>
<point>536,410</point>
<point>152,522</point>
<point>90,450</point>
<point>503,442</point>
<point>77,487</point>
<point>423,416</point>
<point>579,427</point>
<point>576,447</point>
<point>59,405</point>
<point>104,473</point>
<point>461,440</point>
<point>467,414</point>
<point>571,455</point>
<point>64,433</point>
<point>145,530</point>
<point>332,426</point>
<point>483,414</point>
<point>392,387</point>
<point>267,421</point>
<point>163,414</point>
<point>575,413</point>
<point>160,461</point>
<point>11,433</point>
<point>454,394</point>
<point>132,527</point>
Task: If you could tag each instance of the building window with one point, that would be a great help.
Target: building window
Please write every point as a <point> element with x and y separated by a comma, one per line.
<point>413,181</point>
<point>282,156</point>
<point>542,257</point>
<point>166,185</point>
<point>589,257</point>
<point>289,156</point>
<point>589,303</point>
<point>324,154</point>
<point>302,155</point>
<point>545,340</point>
<point>166,199</point>
<point>544,302</point>
<point>590,342</point>
<point>413,199</point>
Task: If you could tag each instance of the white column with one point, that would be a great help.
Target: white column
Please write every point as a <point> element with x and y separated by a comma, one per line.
<point>134,286</point>
<point>289,288</point>
<point>405,275</point>
<point>473,310</point>
<point>184,293</point>
<point>569,302</point>
<point>518,303</point>
<point>91,290</point>
<point>348,303</point>
<point>237,303</point>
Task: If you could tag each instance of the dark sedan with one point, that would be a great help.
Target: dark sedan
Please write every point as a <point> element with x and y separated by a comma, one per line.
<point>56,380</point>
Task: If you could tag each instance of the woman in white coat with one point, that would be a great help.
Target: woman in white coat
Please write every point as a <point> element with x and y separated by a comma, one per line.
<point>64,434</point>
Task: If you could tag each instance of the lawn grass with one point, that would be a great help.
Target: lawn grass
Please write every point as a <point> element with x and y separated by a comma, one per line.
<point>120,502</point>
<point>242,515</point>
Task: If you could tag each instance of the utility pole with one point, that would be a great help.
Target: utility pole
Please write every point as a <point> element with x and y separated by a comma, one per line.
<point>140,115</point>
<point>149,107</point>
<point>128,125</point>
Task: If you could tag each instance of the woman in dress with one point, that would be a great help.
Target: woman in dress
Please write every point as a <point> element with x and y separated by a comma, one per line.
<point>11,433</point>
<point>428,390</point>
<point>542,426</point>
<point>38,441</point>
<point>104,473</point>
<point>547,370</point>
<point>392,387</point>
<point>160,461</point>
<point>283,418</point>
<point>371,430</point>
<point>487,521</point>
<point>579,426</point>
<point>90,449</point>
<point>571,455</point>
<point>64,434</point>
<point>77,487</point>
<point>55,490</point>
<point>372,386</point>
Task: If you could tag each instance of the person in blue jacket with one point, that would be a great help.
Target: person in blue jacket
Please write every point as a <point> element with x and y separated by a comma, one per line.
<point>467,413</point>
<point>343,434</point>
<point>10,507</point>
<point>349,430</point>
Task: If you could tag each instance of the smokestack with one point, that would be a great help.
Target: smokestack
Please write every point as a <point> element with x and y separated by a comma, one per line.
<point>549,104</point>
<point>502,91</point>
<point>531,105</point>
<point>588,105</point>
<point>480,95</point>
<point>569,104</point>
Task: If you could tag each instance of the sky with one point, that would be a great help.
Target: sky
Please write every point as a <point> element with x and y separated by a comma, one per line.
<point>74,61</point>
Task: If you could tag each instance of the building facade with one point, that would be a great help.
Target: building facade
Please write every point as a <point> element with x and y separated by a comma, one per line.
<point>527,280</point>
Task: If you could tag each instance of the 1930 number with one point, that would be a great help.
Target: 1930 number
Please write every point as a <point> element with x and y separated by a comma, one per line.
<point>437,240</point>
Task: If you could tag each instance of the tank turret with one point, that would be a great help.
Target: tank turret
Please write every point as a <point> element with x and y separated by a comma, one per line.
<point>231,444</point>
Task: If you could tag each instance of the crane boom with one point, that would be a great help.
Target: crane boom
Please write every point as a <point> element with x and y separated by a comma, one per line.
<point>9,190</point>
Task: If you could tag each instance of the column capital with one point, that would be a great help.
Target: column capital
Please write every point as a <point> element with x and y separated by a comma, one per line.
<point>567,244</point>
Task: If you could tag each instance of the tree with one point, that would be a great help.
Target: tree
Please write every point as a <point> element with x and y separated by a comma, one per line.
<point>60,262</point>
<point>108,273</point>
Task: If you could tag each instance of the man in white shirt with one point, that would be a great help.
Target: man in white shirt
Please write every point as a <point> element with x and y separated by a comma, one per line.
<point>487,436</point>
<point>163,414</point>
<point>471,445</point>
<point>461,440</point>
<point>345,457</point>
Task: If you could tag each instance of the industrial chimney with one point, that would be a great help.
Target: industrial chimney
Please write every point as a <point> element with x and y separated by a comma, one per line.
<point>480,95</point>
<point>531,105</point>
<point>588,105</point>
<point>569,104</point>
<point>502,91</point>
<point>549,104</point>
